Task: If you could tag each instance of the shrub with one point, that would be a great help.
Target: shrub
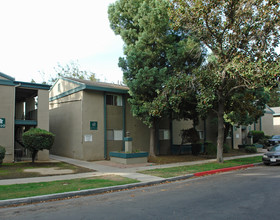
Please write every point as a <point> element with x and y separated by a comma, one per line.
<point>189,136</point>
<point>264,140</point>
<point>226,148</point>
<point>250,149</point>
<point>257,135</point>
<point>2,154</point>
<point>37,139</point>
<point>210,148</point>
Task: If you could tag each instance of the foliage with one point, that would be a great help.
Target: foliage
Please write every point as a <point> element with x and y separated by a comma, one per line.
<point>251,149</point>
<point>245,106</point>
<point>211,149</point>
<point>241,37</point>
<point>189,136</point>
<point>256,135</point>
<point>226,148</point>
<point>2,154</point>
<point>73,70</point>
<point>177,97</point>
<point>37,139</point>
<point>154,52</point>
<point>264,140</point>
<point>274,100</point>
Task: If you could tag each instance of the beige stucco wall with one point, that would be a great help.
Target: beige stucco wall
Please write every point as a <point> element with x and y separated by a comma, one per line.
<point>43,118</point>
<point>276,124</point>
<point>66,124</point>
<point>93,110</point>
<point>267,124</point>
<point>114,122</point>
<point>139,132</point>
<point>62,86</point>
<point>7,111</point>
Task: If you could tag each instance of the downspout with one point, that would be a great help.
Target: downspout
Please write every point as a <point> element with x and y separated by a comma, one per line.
<point>124,120</point>
<point>260,123</point>
<point>14,136</point>
<point>105,126</point>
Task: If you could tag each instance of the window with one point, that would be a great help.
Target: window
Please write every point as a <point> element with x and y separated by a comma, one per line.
<point>114,100</point>
<point>58,87</point>
<point>114,135</point>
<point>164,134</point>
<point>201,134</point>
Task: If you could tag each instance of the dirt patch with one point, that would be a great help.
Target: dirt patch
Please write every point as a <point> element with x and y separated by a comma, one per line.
<point>17,170</point>
<point>49,171</point>
<point>109,177</point>
<point>165,159</point>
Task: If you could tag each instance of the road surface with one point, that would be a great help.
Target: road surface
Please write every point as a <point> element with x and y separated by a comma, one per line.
<point>253,193</point>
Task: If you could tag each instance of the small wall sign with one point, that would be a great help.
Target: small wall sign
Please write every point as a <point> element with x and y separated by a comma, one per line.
<point>2,122</point>
<point>93,125</point>
<point>88,138</point>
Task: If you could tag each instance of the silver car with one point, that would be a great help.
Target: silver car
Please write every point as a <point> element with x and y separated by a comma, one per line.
<point>273,156</point>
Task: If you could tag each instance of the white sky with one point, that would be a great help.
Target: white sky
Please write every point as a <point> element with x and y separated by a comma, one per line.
<point>37,34</point>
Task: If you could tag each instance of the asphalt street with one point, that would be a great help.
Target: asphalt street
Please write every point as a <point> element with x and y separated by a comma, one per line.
<point>252,193</point>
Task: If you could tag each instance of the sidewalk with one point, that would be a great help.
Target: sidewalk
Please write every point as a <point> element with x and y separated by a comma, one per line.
<point>107,168</point>
<point>103,168</point>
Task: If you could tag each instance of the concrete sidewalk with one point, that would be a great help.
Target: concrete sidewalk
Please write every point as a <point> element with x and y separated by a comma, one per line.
<point>102,168</point>
<point>106,168</point>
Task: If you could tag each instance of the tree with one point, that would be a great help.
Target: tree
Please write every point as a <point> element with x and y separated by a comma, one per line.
<point>153,53</point>
<point>241,37</point>
<point>2,154</point>
<point>274,100</point>
<point>73,70</point>
<point>37,139</point>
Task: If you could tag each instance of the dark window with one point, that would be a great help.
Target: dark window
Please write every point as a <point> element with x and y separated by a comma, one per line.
<point>114,100</point>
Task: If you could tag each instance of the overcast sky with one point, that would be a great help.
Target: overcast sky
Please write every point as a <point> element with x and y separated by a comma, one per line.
<point>37,34</point>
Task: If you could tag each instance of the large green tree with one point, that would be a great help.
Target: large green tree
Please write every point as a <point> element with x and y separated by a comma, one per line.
<point>153,53</point>
<point>241,35</point>
<point>274,100</point>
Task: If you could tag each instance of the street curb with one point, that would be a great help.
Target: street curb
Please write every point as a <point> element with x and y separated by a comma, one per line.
<point>222,170</point>
<point>67,195</point>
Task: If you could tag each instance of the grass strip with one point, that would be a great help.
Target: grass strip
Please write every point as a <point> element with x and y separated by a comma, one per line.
<point>45,188</point>
<point>183,170</point>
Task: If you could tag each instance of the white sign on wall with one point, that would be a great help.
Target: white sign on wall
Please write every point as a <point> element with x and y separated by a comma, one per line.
<point>88,138</point>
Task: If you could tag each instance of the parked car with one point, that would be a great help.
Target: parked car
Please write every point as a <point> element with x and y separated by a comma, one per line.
<point>273,156</point>
<point>275,139</point>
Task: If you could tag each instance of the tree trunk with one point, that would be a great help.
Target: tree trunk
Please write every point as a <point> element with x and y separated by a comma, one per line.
<point>34,153</point>
<point>221,130</point>
<point>152,140</point>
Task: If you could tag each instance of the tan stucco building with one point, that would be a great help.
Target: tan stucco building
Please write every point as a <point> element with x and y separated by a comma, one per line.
<point>23,105</point>
<point>276,120</point>
<point>90,119</point>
